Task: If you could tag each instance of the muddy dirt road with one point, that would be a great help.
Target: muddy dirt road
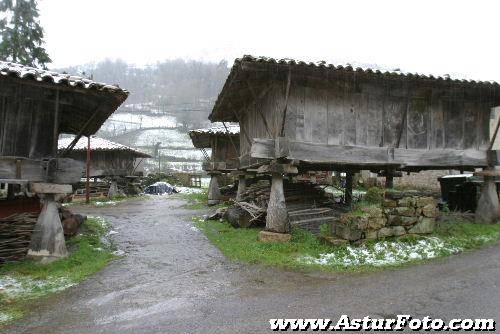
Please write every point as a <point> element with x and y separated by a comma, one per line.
<point>173,280</point>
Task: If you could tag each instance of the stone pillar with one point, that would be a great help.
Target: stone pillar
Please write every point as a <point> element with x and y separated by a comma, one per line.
<point>47,240</point>
<point>488,206</point>
<point>113,189</point>
<point>214,196</point>
<point>242,186</point>
<point>277,215</point>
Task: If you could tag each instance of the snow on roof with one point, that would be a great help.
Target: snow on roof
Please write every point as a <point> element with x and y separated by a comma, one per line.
<point>98,144</point>
<point>40,75</point>
<point>218,128</point>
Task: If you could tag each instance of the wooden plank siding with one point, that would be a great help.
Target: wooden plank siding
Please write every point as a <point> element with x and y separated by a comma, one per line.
<point>397,114</point>
<point>27,122</point>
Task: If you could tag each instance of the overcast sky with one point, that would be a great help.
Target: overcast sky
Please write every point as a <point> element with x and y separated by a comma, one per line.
<point>461,38</point>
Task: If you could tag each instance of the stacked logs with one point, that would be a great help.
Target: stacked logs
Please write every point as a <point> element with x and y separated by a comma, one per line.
<point>15,235</point>
<point>306,203</point>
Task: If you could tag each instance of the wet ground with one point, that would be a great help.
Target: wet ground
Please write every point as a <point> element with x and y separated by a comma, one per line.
<point>172,280</point>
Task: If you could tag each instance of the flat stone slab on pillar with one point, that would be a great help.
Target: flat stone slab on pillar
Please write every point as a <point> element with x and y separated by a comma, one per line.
<point>268,236</point>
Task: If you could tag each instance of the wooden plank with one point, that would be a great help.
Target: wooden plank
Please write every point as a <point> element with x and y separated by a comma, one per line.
<point>299,105</point>
<point>471,113</point>
<point>394,109</point>
<point>349,111</point>
<point>309,110</point>
<point>362,155</point>
<point>317,110</point>
<point>453,122</point>
<point>335,117</point>
<point>51,188</point>
<point>418,123</point>
<point>67,170</point>
<point>437,122</point>
<point>360,104</point>
<point>374,118</point>
<point>291,114</point>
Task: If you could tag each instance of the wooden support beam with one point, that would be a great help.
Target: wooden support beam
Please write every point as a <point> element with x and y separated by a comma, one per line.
<point>67,171</point>
<point>56,123</point>
<point>287,94</point>
<point>370,156</point>
<point>51,188</point>
<point>278,168</point>
<point>87,173</point>
<point>257,98</point>
<point>231,139</point>
<point>80,133</point>
<point>242,128</point>
<point>348,188</point>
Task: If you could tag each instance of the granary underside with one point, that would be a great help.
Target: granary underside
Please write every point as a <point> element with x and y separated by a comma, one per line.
<point>321,117</point>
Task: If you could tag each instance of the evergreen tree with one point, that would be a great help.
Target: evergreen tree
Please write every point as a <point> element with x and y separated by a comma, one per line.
<point>21,36</point>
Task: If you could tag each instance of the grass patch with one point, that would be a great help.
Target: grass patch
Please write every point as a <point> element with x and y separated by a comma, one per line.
<point>28,280</point>
<point>198,200</point>
<point>306,252</point>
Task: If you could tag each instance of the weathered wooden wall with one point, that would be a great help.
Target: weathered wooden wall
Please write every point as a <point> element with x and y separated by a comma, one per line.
<point>27,121</point>
<point>224,151</point>
<point>105,163</point>
<point>372,113</point>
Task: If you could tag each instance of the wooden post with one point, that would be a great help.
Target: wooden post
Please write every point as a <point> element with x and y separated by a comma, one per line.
<point>214,196</point>
<point>47,239</point>
<point>277,214</point>
<point>87,173</point>
<point>242,185</point>
<point>389,180</point>
<point>348,187</point>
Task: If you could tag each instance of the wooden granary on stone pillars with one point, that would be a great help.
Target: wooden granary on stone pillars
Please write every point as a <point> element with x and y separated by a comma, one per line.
<point>224,142</point>
<point>297,117</point>
<point>36,106</point>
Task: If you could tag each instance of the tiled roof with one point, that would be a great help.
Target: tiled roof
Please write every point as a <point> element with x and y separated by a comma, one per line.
<point>267,68</point>
<point>98,144</point>
<point>218,128</point>
<point>39,75</point>
<point>348,67</point>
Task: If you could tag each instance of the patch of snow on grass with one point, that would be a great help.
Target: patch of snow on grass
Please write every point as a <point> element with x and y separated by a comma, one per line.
<point>14,287</point>
<point>99,203</point>
<point>4,317</point>
<point>189,190</point>
<point>384,253</point>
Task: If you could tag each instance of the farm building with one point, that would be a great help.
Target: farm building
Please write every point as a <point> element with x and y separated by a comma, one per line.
<point>224,143</point>
<point>297,116</point>
<point>119,163</point>
<point>36,107</point>
<point>107,158</point>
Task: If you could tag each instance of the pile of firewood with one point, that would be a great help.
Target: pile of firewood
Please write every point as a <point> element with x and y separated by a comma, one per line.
<point>15,235</point>
<point>299,196</point>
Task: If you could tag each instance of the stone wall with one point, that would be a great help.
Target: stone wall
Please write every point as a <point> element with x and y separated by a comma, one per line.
<point>427,179</point>
<point>400,213</point>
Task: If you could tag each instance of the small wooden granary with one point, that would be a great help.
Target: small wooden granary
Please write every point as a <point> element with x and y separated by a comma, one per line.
<point>297,116</point>
<point>224,142</point>
<point>36,106</point>
<point>107,158</point>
